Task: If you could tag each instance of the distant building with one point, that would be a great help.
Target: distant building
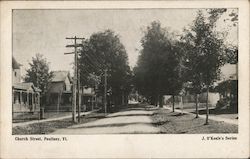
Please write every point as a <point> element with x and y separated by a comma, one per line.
<point>59,95</point>
<point>213,98</point>
<point>226,89</point>
<point>228,73</point>
<point>25,96</point>
<point>16,71</point>
<point>228,85</point>
<point>59,92</point>
<point>88,99</point>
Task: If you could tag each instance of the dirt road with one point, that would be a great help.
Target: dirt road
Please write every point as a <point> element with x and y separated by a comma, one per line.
<point>132,120</point>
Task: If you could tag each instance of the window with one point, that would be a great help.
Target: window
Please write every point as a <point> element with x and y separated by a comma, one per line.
<point>15,73</point>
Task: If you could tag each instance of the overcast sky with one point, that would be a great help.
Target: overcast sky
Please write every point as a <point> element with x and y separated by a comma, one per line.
<point>44,31</point>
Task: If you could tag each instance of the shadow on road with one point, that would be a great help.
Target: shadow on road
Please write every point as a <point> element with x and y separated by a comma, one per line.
<point>120,115</point>
<point>122,124</point>
<point>114,125</point>
<point>132,115</point>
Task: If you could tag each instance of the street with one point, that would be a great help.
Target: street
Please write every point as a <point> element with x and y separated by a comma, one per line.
<point>131,120</point>
<point>146,119</point>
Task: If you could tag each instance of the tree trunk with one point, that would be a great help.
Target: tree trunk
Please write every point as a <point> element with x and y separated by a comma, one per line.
<point>207,107</point>
<point>161,101</point>
<point>156,100</point>
<point>173,102</point>
<point>182,105</point>
<point>123,100</point>
<point>196,105</point>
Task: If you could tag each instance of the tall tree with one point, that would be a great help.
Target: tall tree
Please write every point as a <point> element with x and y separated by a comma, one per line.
<point>39,74</point>
<point>157,70</point>
<point>208,54</point>
<point>216,13</point>
<point>231,54</point>
<point>192,74</point>
<point>198,32</point>
<point>104,50</point>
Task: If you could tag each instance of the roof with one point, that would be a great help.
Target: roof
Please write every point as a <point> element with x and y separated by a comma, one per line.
<point>60,76</point>
<point>15,64</point>
<point>26,86</point>
<point>229,72</point>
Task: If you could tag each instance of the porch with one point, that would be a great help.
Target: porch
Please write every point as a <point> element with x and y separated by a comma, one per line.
<point>25,99</point>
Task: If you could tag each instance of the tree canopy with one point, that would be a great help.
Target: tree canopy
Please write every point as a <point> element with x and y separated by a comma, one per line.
<point>157,71</point>
<point>104,50</point>
<point>39,73</point>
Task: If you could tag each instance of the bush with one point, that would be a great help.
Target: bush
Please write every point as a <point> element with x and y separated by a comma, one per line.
<point>221,103</point>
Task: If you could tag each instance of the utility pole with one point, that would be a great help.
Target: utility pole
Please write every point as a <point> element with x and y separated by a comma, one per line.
<point>105,91</point>
<point>75,45</point>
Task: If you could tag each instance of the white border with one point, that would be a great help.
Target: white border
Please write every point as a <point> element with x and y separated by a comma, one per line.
<point>125,146</point>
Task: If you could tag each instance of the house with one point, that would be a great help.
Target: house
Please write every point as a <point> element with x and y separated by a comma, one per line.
<point>59,93</point>
<point>225,91</point>
<point>25,96</point>
<point>189,99</point>
<point>228,86</point>
<point>88,99</point>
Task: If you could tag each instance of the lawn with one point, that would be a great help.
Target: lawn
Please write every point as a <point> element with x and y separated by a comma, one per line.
<point>51,126</point>
<point>24,117</point>
<point>177,123</point>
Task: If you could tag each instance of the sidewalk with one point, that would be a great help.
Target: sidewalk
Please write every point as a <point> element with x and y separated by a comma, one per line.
<point>50,119</point>
<point>215,118</point>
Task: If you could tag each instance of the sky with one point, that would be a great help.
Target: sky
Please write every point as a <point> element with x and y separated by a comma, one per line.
<point>44,31</point>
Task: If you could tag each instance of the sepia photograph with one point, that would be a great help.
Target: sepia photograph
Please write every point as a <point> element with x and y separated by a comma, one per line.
<point>124,79</point>
<point>125,71</point>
